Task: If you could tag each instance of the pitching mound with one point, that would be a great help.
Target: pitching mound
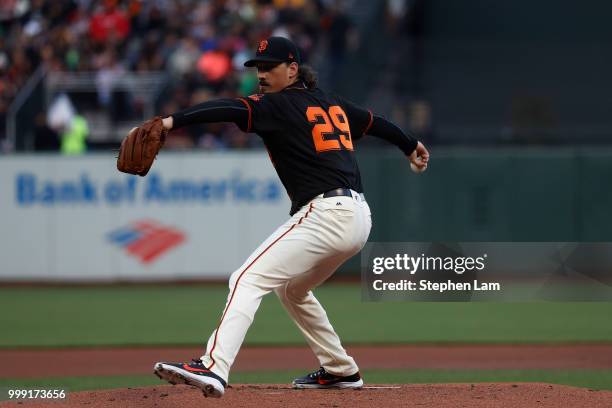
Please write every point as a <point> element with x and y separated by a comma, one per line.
<point>421,395</point>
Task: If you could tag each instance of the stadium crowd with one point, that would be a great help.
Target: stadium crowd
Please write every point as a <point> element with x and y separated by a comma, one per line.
<point>201,45</point>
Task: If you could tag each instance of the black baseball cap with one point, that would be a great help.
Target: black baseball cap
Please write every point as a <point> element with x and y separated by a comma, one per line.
<point>275,49</point>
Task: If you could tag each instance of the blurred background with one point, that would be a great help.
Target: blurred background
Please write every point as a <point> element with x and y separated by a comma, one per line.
<point>468,73</point>
<point>512,98</point>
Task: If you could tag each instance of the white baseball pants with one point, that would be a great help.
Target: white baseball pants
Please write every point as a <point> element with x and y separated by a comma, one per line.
<point>296,258</point>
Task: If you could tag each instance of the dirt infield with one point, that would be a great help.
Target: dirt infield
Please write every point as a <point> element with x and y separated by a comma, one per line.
<point>422,396</point>
<point>124,361</point>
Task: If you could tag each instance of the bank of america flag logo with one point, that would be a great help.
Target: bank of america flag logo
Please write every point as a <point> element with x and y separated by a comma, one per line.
<point>146,240</point>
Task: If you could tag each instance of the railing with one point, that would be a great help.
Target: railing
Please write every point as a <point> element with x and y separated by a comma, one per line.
<point>38,93</point>
<point>145,87</point>
<point>20,100</point>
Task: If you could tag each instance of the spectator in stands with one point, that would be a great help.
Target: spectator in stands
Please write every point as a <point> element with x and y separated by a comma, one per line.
<point>186,39</point>
<point>110,23</point>
<point>73,129</point>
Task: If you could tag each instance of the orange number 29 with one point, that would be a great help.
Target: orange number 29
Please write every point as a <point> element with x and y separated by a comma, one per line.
<point>338,126</point>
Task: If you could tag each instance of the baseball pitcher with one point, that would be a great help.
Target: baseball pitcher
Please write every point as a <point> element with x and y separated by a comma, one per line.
<point>309,134</point>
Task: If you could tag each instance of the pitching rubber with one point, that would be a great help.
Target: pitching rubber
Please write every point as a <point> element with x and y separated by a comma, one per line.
<point>210,387</point>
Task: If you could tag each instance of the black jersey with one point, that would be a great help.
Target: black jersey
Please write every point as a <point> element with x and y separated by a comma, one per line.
<point>309,135</point>
<point>308,132</point>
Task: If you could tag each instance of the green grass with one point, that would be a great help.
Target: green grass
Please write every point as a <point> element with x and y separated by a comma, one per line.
<point>595,379</point>
<point>186,315</point>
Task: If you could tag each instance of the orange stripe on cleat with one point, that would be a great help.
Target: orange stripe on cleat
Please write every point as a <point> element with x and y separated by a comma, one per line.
<point>192,369</point>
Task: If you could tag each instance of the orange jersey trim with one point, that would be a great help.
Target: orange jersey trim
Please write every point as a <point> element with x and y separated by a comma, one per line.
<point>369,123</point>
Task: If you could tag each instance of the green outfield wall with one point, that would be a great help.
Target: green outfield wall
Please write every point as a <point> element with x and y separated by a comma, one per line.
<point>491,195</point>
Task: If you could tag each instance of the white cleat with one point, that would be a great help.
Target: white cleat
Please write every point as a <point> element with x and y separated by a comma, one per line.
<point>194,374</point>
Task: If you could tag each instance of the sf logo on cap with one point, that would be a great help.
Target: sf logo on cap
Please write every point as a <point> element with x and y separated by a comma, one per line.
<point>263,45</point>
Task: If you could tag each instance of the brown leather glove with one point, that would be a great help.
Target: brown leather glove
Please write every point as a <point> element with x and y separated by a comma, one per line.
<point>140,146</point>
